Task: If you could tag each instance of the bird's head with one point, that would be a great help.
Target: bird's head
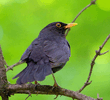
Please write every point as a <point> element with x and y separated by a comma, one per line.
<point>57,28</point>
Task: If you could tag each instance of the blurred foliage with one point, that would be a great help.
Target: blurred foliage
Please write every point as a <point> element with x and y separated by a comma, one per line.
<point>21,22</point>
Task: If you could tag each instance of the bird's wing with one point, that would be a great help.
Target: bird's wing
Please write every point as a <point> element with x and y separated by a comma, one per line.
<point>58,53</point>
<point>32,52</point>
<point>38,65</point>
<point>26,53</point>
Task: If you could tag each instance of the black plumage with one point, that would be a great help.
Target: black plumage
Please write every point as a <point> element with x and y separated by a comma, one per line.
<point>47,54</point>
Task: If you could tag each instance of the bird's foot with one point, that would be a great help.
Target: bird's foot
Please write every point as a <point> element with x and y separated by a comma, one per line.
<point>55,86</point>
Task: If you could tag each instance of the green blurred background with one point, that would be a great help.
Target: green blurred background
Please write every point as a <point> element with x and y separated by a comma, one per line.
<point>21,22</point>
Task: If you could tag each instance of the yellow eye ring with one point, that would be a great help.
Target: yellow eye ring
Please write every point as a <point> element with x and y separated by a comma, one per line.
<point>58,25</point>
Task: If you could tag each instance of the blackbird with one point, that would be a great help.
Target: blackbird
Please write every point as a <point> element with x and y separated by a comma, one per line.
<point>47,54</point>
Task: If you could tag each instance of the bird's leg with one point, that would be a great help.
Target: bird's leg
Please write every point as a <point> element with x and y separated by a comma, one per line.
<point>37,83</point>
<point>55,83</point>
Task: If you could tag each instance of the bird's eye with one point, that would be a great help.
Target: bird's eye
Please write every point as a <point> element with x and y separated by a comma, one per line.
<point>58,25</point>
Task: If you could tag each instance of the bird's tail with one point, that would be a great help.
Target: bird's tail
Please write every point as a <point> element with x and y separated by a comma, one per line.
<point>34,72</point>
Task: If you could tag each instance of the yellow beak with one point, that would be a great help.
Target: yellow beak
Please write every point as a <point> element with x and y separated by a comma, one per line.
<point>71,25</point>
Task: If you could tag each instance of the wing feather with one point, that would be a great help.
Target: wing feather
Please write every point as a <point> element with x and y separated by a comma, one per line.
<point>58,53</point>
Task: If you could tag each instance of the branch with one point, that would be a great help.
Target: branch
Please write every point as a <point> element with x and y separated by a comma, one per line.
<point>92,2</point>
<point>93,62</point>
<point>46,89</point>
<point>16,64</point>
<point>3,78</point>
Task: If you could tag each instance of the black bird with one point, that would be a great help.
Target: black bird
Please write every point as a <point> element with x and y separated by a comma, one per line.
<point>47,54</point>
